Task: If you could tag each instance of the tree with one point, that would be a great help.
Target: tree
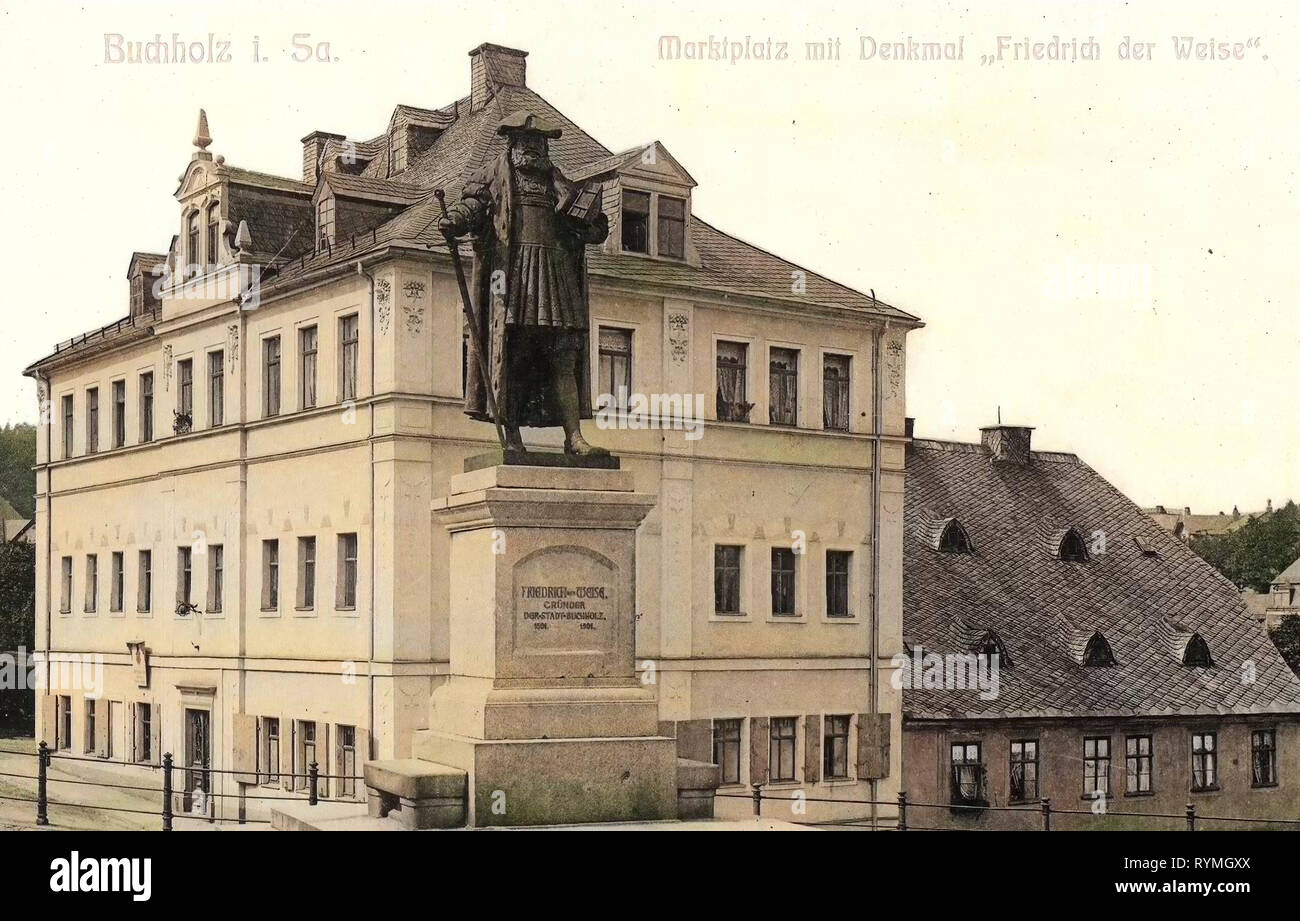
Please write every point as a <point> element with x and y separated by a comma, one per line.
<point>17,458</point>
<point>1255,553</point>
<point>17,629</point>
<point>1286,637</point>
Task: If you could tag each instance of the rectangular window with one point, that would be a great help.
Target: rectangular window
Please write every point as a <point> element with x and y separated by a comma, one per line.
<point>306,573</point>
<point>835,392</point>
<point>92,420</point>
<point>1263,758</point>
<point>783,389</point>
<point>92,583</point>
<point>967,774</point>
<point>216,388</point>
<point>268,750</point>
<point>65,586</point>
<point>783,581</point>
<point>304,752</point>
<point>347,760</point>
<point>270,575</point>
<point>271,376</point>
<point>672,227</point>
<point>732,358</point>
<point>349,337</point>
<point>307,373</point>
<point>614,366</point>
<point>142,733</point>
<point>726,579</point>
<point>1137,764</point>
<point>347,572</point>
<point>184,575</point>
<point>636,221</point>
<point>1024,771</point>
<point>781,749</point>
<point>835,748</point>
<point>1096,767</point>
<point>119,413</point>
<point>325,222</point>
<point>1205,761</point>
<point>144,590</point>
<point>63,724</point>
<point>89,740</point>
<point>214,231</point>
<point>216,578</point>
<point>185,391</point>
<point>117,573</point>
<point>726,749</point>
<point>146,407</point>
<point>67,425</point>
<point>837,582</point>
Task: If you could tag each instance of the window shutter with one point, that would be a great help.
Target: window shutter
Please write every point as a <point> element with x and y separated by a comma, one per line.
<point>873,745</point>
<point>812,761</point>
<point>323,757</point>
<point>244,727</point>
<point>103,727</point>
<point>759,729</point>
<point>287,729</point>
<point>133,731</point>
<point>363,755</point>
<point>695,740</point>
<point>50,721</point>
<point>155,734</point>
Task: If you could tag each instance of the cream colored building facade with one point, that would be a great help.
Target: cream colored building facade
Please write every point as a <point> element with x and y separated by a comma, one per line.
<point>329,480</point>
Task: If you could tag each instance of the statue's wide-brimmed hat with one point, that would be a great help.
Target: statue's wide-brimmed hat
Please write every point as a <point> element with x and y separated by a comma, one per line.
<point>528,123</point>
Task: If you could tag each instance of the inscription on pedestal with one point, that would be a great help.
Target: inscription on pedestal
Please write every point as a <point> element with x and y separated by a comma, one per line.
<point>565,602</point>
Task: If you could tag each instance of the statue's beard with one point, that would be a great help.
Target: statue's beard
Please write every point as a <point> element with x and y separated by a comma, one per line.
<point>537,164</point>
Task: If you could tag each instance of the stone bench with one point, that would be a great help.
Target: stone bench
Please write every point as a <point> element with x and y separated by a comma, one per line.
<point>418,794</point>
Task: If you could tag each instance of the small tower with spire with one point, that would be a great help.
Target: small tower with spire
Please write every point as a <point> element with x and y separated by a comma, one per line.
<point>202,138</point>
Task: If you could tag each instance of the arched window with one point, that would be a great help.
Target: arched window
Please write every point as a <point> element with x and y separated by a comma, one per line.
<point>1097,652</point>
<point>1197,652</point>
<point>214,225</point>
<point>954,539</point>
<point>991,645</point>
<point>1072,548</point>
<point>192,254</point>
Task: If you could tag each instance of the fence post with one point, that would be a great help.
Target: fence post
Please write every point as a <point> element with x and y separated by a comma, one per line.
<point>1191,817</point>
<point>42,798</point>
<point>902,811</point>
<point>167,791</point>
<point>758,799</point>
<point>1047,813</point>
<point>313,774</point>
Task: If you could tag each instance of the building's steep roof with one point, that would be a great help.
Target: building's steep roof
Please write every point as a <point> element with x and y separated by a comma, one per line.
<point>1147,606</point>
<point>1289,575</point>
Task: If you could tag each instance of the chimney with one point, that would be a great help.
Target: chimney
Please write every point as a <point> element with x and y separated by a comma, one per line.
<point>1187,510</point>
<point>1268,506</point>
<point>490,68</point>
<point>1009,443</point>
<point>1236,513</point>
<point>909,426</point>
<point>313,145</point>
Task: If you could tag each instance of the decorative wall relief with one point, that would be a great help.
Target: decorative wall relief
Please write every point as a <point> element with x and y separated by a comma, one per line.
<point>167,367</point>
<point>413,306</point>
<point>678,336</point>
<point>383,304</point>
<point>894,366</point>
<point>232,345</point>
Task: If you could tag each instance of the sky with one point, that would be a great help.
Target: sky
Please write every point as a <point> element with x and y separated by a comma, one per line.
<point>1099,243</point>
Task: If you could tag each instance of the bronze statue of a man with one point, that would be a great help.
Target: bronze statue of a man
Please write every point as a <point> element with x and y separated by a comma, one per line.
<point>530,226</point>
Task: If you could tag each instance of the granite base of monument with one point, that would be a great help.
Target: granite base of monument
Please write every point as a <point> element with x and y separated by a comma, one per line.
<point>544,712</point>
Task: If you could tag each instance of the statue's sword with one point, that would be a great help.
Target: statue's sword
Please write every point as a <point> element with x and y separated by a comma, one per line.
<point>475,340</point>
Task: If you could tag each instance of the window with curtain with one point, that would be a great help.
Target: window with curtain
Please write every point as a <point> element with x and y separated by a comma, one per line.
<point>783,387</point>
<point>672,227</point>
<point>731,405</point>
<point>835,392</point>
<point>636,221</point>
<point>307,371</point>
<point>214,232</point>
<point>216,388</point>
<point>967,773</point>
<point>349,333</point>
<point>614,365</point>
<point>726,749</point>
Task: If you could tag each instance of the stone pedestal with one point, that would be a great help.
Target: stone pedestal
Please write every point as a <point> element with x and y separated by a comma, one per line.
<point>544,711</point>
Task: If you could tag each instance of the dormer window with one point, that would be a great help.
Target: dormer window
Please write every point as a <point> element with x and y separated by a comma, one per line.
<point>1097,653</point>
<point>636,221</point>
<point>325,222</point>
<point>1196,654</point>
<point>672,227</point>
<point>954,539</point>
<point>192,242</point>
<point>214,225</point>
<point>991,645</point>
<point>1072,548</point>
